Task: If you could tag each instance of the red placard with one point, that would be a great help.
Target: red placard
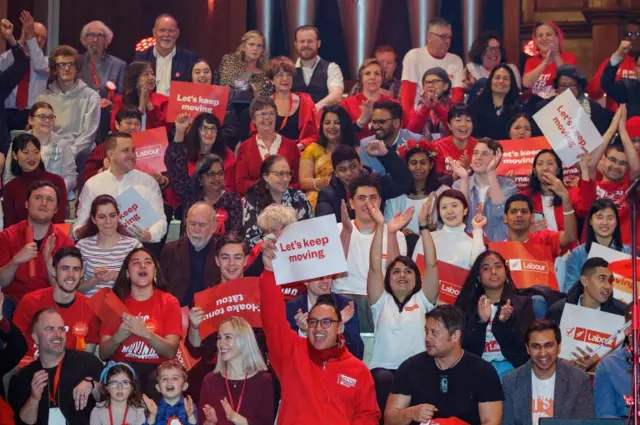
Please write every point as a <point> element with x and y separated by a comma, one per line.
<point>195,99</point>
<point>236,298</point>
<point>182,355</point>
<point>150,147</point>
<point>64,227</point>
<point>451,279</point>
<point>108,307</point>
<point>529,264</point>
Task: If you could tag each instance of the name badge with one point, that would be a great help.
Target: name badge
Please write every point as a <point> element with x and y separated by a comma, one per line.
<point>56,417</point>
<point>436,136</point>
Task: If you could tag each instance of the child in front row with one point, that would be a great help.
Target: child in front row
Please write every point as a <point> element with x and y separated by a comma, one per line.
<point>122,399</point>
<point>172,383</point>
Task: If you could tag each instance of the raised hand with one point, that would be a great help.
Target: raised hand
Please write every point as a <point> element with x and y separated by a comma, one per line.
<point>495,161</point>
<point>375,213</point>
<point>196,316</point>
<point>151,405</point>
<point>27,22</point>
<point>182,123</point>
<point>555,185</point>
<point>484,309</point>
<point>400,220</point>
<point>347,225</point>
<point>366,109</point>
<point>347,312</point>
<point>479,222</point>
<point>301,320</point>
<point>189,407</point>
<point>6,30</point>
<point>622,123</point>
<point>424,216</point>
<point>505,312</point>
<point>624,48</point>
<point>458,168</point>
<point>376,148</point>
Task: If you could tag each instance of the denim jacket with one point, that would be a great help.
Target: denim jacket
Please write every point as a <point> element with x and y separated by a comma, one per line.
<point>373,163</point>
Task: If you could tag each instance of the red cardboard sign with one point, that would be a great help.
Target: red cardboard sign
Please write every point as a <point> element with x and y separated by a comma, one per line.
<point>195,99</point>
<point>529,264</point>
<point>150,147</point>
<point>451,279</point>
<point>182,355</point>
<point>237,298</point>
<point>108,307</point>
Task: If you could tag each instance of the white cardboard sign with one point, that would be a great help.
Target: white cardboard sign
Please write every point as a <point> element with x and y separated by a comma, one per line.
<point>309,249</point>
<point>622,286</point>
<point>134,209</point>
<point>568,128</point>
<point>585,327</point>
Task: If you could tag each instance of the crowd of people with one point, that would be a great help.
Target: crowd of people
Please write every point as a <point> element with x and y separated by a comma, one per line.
<point>408,169</point>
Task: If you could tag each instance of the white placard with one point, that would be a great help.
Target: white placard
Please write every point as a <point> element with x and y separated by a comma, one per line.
<point>309,249</point>
<point>134,209</point>
<point>585,327</point>
<point>568,128</point>
<point>622,289</point>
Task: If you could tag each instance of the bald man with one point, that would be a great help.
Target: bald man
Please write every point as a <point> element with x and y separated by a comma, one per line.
<point>33,40</point>
<point>189,264</point>
<point>170,62</point>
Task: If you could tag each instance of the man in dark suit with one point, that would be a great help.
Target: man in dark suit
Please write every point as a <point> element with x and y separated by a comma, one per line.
<point>545,386</point>
<point>170,62</point>
<point>298,311</point>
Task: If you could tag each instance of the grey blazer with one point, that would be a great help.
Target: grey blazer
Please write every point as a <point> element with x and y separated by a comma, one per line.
<point>572,396</point>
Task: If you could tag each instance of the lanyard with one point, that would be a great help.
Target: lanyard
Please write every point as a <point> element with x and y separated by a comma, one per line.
<point>56,382</point>
<point>284,121</point>
<point>244,383</point>
<point>94,74</point>
<point>124,418</point>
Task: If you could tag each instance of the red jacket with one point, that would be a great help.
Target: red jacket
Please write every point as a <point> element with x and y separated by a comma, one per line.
<point>155,118</point>
<point>626,69</point>
<point>6,413</point>
<point>249,161</point>
<point>328,387</point>
<point>352,105</point>
<point>12,241</point>
<point>558,211</point>
<point>307,121</point>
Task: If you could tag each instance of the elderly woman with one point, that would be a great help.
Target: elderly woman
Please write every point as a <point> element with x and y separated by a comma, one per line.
<point>244,68</point>
<point>266,142</point>
<point>486,52</point>
<point>429,117</point>
<point>201,72</point>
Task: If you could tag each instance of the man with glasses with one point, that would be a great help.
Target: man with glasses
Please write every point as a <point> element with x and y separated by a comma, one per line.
<point>75,104</point>
<point>62,385</point>
<point>66,272</point>
<point>386,118</point>
<point>435,54</point>
<point>170,62</point>
<point>33,40</point>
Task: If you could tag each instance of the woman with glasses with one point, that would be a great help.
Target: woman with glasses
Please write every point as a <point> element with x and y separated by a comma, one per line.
<point>265,143</point>
<point>360,106</point>
<point>497,314</point>
<point>487,51</point>
<point>272,188</point>
<point>429,117</point>
<point>139,86</point>
<point>55,149</point>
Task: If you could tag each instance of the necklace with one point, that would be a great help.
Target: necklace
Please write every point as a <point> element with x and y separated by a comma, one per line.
<point>453,365</point>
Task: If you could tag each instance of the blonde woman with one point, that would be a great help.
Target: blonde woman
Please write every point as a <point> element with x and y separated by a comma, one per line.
<point>245,67</point>
<point>239,390</point>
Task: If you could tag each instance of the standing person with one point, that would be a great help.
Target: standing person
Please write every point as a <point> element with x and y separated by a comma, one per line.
<point>325,383</point>
<point>76,104</point>
<point>434,54</point>
<point>388,59</point>
<point>497,315</point>
<point>61,386</point>
<point>429,116</point>
<point>320,79</point>
<point>97,67</point>
<point>545,386</point>
<point>239,390</point>
<point>487,51</point>
<point>170,62</point>
<point>121,397</point>
<point>244,69</point>
<point>445,381</point>
<point>103,246</point>
<point>623,90</point>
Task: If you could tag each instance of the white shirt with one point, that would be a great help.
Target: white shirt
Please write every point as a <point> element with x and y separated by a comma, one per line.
<point>105,183</point>
<point>417,61</point>
<point>466,249</point>
<point>492,350</point>
<point>273,150</point>
<point>358,260</point>
<point>38,77</point>
<point>163,71</point>
<point>542,395</point>
<point>398,335</point>
<point>334,73</point>
<point>549,212</point>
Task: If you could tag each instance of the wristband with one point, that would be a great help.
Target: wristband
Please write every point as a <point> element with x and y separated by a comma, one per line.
<point>425,227</point>
<point>315,186</point>
<point>569,212</point>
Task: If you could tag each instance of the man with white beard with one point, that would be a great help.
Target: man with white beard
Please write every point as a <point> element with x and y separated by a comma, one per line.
<point>189,264</point>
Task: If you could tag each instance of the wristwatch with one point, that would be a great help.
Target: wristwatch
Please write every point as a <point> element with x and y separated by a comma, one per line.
<point>90,379</point>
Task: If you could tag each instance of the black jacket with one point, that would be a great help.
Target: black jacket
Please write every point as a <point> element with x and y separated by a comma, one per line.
<point>180,65</point>
<point>15,347</point>
<point>9,79</point>
<point>397,182</point>
<point>627,90</point>
<point>509,334</point>
<point>610,306</point>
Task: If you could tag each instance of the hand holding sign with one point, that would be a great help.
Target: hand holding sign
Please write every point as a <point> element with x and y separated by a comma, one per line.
<point>195,99</point>
<point>134,209</point>
<point>585,360</point>
<point>139,233</point>
<point>196,316</point>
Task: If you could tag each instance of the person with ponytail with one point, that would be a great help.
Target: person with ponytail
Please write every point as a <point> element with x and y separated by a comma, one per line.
<point>122,400</point>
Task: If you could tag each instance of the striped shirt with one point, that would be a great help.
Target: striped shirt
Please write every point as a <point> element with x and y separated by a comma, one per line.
<point>111,258</point>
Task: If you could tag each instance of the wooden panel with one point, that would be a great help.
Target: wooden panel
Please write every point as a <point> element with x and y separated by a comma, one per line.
<point>511,30</point>
<point>559,4</point>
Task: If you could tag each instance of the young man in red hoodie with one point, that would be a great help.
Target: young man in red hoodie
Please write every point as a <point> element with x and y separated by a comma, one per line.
<point>322,383</point>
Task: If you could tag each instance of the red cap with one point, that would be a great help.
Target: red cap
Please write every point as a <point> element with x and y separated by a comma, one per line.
<point>633,127</point>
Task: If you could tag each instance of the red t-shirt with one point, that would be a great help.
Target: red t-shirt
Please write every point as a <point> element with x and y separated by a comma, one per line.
<point>82,321</point>
<point>626,69</point>
<point>548,238</point>
<point>446,148</point>
<point>161,314</point>
<point>543,87</point>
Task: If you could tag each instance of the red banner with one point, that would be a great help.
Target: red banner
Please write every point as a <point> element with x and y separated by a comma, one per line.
<point>150,147</point>
<point>236,298</point>
<point>195,99</point>
<point>108,307</point>
<point>529,264</point>
<point>451,279</point>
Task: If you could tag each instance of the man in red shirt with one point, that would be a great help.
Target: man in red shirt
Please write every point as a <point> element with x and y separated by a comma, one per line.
<point>67,271</point>
<point>459,146</point>
<point>17,276</point>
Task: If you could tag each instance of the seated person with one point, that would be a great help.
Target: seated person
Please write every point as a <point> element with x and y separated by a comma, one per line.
<point>27,167</point>
<point>272,188</point>
<point>201,72</point>
<point>14,346</point>
<point>459,146</point>
<point>389,61</point>
<point>546,386</point>
<point>429,117</point>
<point>486,52</point>
<point>16,277</point>
<point>174,406</point>
<point>298,313</point>
<point>445,381</point>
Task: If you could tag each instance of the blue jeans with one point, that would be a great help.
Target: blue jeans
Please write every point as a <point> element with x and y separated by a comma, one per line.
<point>540,306</point>
<point>502,367</point>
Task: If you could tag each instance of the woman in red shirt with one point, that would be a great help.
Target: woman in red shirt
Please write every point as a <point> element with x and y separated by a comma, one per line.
<point>540,69</point>
<point>429,118</point>
<point>360,105</point>
<point>151,328</point>
<point>139,86</point>
<point>459,146</point>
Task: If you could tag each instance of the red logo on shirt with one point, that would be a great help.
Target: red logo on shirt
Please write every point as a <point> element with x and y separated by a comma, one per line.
<point>492,347</point>
<point>152,325</point>
<point>411,308</point>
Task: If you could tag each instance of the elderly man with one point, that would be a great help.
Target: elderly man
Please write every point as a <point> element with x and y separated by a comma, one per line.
<point>189,264</point>
<point>23,96</point>
<point>171,63</point>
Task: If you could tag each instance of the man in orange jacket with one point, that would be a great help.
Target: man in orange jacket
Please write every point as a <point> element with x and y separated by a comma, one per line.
<point>322,383</point>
